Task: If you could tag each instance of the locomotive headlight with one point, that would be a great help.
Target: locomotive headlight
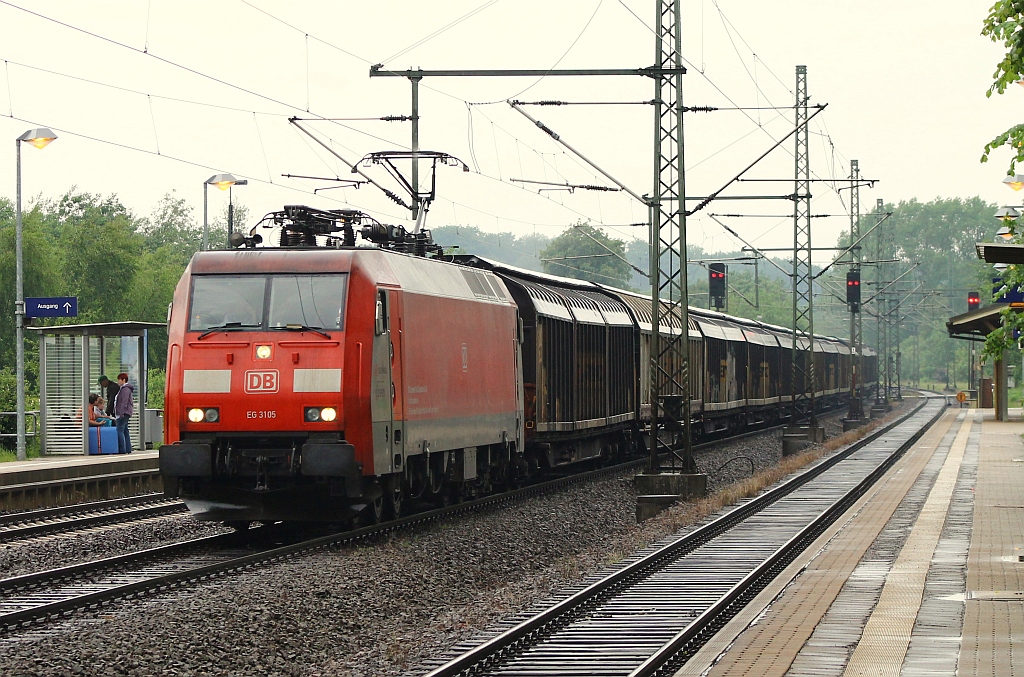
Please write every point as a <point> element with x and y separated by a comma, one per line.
<point>263,352</point>
<point>312,414</point>
<point>212,415</point>
<point>328,414</point>
<point>196,415</point>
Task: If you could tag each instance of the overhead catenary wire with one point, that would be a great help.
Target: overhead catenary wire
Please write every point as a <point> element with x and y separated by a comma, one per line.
<point>555,65</point>
<point>171,62</point>
<point>192,163</point>
<point>308,35</point>
<point>442,30</point>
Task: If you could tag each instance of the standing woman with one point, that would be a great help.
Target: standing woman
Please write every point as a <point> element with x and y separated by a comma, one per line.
<point>124,408</point>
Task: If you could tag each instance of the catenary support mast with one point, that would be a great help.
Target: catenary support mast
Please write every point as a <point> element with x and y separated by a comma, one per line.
<point>670,359</point>
<point>881,340</point>
<point>803,281</point>
<point>856,412</point>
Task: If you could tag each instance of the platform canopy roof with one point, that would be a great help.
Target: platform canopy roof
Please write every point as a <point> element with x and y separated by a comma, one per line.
<point>100,328</point>
<point>1000,252</point>
<point>975,325</point>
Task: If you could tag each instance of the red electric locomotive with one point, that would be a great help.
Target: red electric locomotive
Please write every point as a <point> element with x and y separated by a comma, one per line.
<point>311,382</point>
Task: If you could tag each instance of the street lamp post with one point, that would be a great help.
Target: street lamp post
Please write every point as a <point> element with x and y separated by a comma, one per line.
<point>38,138</point>
<point>224,182</point>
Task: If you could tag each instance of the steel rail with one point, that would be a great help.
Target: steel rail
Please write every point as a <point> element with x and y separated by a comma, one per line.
<point>93,570</point>
<point>118,563</point>
<point>542,622</point>
<point>84,515</point>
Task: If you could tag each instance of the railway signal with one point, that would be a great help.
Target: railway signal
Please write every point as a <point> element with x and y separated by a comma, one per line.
<point>973,300</point>
<point>716,285</point>
<point>853,290</point>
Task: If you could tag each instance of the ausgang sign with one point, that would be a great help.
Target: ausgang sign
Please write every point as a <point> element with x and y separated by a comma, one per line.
<point>56,306</point>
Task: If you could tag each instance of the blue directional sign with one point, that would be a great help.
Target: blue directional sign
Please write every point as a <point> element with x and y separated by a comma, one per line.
<point>56,306</point>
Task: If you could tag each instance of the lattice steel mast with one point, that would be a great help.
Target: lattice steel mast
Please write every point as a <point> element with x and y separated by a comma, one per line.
<point>670,360</point>
<point>881,332</point>
<point>803,280</point>
<point>856,412</point>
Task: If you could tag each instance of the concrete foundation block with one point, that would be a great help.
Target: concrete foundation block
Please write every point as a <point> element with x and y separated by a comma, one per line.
<point>649,506</point>
<point>675,484</point>
<point>851,424</point>
<point>796,437</point>
<point>657,492</point>
<point>793,444</point>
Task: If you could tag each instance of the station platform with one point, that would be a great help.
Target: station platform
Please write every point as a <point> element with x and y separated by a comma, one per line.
<point>924,575</point>
<point>52,481</point>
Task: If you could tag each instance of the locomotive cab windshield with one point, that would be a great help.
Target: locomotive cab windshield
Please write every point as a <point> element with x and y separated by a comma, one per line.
<point>262,302</point>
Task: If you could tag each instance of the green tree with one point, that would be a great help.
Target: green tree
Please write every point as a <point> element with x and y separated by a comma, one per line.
<point>172,224</point>
<point>1005,24</point>
<point>586,253</point>
<point>522,251</point>
<point>41,258</point>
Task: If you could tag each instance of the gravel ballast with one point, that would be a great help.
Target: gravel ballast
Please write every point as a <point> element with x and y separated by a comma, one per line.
<point>373,609</point>
<point>57,550</point>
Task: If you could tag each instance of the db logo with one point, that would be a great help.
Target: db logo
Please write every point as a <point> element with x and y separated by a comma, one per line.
<point>261,381</point>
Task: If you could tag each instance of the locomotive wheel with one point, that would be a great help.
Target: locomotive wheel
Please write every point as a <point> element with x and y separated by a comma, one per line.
<point>393,497</point>
<point>372,514</point>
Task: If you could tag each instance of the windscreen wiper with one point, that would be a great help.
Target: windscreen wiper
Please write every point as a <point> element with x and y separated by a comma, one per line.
<point>228,326</point>
<point>303,327</point>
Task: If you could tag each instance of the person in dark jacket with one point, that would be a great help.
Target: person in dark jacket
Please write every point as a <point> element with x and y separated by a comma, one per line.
<point>112,389</point>
<point>124,407</point>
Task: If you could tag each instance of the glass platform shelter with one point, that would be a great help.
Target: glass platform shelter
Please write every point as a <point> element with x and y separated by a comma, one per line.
<point>72,357</point>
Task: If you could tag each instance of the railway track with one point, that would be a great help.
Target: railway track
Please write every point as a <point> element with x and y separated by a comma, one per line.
<point>30,599</point>
<point>653,612</point>
<point>20,525</point>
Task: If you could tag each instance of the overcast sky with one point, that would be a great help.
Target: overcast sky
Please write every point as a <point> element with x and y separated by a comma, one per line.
<point>189,89</point>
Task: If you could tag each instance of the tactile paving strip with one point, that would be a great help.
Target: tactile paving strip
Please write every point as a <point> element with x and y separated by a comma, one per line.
<point>935,643</point>
<point>883,644</point>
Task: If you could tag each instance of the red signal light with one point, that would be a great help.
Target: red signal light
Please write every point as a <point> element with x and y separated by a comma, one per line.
<point>973,300</point>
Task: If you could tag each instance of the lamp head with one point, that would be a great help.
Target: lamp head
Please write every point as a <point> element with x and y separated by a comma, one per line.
<point>1016,181</point>
<point>1004,234</point>
<point>39,138</point>
<point>1007,214</point>
<point>224,181</point>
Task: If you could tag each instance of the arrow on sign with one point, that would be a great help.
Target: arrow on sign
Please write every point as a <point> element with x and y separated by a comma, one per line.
<point>67,307</point>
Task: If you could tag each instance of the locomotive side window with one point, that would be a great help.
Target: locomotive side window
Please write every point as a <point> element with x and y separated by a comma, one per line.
<point>220,299</point>
<point>381,313</point>
<point>312,300</point>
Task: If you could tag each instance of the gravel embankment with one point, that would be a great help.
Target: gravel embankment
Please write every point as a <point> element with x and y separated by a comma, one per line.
<point>375,609</point>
